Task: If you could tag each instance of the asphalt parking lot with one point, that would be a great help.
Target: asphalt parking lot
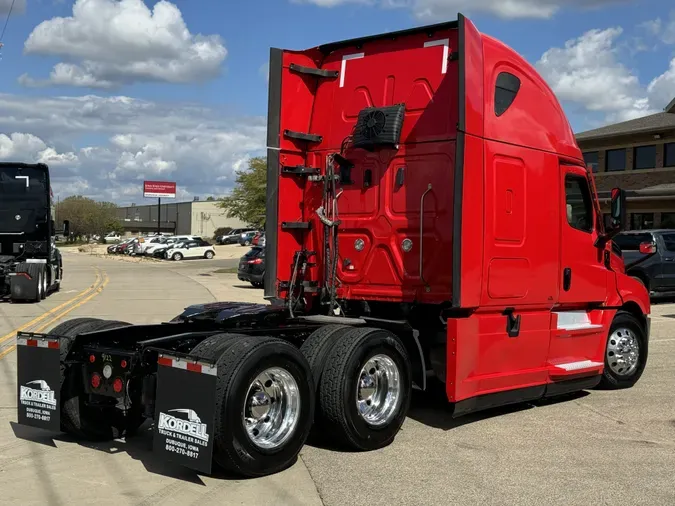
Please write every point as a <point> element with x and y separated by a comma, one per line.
<point>591,448</point>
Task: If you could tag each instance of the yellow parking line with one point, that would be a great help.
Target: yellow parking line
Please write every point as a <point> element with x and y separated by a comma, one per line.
<point>52,311</point>
<point>56,318</point>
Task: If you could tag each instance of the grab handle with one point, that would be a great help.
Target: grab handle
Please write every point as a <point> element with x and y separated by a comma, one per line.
<point>421,234</point>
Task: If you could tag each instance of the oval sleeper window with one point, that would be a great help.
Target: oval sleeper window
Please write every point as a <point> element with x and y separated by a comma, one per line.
<point>506,89</point>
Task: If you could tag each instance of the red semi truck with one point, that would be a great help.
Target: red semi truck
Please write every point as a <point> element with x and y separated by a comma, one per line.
<point>429,218</point>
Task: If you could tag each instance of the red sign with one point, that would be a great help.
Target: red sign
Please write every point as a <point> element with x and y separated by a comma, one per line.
<point>159,189</point>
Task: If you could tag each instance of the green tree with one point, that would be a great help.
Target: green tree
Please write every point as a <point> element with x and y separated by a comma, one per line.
<point>249,196</point>
<point>88,217</point>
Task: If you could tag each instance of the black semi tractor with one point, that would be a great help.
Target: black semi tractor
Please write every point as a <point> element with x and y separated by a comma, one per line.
<point>30,264</point>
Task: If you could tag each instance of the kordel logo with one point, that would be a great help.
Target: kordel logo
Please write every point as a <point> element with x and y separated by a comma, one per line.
<point>193,426</point>
<point>43,394</point>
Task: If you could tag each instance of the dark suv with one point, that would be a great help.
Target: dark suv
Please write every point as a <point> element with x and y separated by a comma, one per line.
<point>649,255</point>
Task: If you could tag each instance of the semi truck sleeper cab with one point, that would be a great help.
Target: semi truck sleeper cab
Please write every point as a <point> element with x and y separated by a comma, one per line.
<point>429,218</point>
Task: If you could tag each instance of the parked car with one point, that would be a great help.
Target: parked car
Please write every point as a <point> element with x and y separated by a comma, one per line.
<point>649,256</point>
<point>262,241</point>
<point>120,247</point>
<point>112,237</point>
<point>233,237</point>
<point>246,239</point>
<point>151,241</point>
<point>158,250</point>
<point>252,267</point>
<point>191,249</point>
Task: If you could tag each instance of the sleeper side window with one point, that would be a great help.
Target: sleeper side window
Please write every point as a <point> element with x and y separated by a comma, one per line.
<point>578,203</point>
<point>506,89</point>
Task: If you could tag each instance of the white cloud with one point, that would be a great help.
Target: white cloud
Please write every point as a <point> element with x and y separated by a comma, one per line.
<point>664,30</point>
<point>121,141</point>
<point>587,71</point>
<point>662,88</point>
<point>447,9</point>
<point>23,147</point>
<point>108,43</point>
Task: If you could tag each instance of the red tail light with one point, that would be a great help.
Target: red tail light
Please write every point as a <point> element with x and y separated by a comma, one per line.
<point>92,358</point>
<point>117,385</point>
<point>123,364</point>
<point>95,380</point>
<point>256,261</point>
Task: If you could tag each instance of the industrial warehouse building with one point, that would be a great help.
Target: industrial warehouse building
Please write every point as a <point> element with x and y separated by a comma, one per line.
<point>181,218</point>
<point>638,156</point>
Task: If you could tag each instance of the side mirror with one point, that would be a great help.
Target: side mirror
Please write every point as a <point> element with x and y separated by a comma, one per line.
<point>618,209</point>
<point>647,248</point>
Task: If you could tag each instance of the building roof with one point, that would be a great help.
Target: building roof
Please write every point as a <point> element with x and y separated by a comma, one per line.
<point>653,123</point>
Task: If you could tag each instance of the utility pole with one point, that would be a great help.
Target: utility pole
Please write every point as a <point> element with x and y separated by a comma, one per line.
<point>159,216</point>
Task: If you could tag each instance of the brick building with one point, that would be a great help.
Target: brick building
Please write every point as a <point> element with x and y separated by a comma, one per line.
<point>638,156</point>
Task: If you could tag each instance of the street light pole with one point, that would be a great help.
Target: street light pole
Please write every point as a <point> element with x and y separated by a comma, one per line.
<point>159,216</point>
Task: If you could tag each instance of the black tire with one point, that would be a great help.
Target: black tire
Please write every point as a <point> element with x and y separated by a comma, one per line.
<point>34,271</point>
<point>338,388</point>
<point>317,347</point>
<point>240,360</point>
<point>612,380</point>
<point>213,347</point>
<point>77,418</point>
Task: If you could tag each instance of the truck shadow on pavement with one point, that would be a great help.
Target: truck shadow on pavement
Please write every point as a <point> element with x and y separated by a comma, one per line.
<point>138,447</point>
<point>431,408</point>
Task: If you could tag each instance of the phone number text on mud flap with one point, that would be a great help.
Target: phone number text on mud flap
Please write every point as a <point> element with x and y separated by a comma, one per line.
<point>171,447</point>
<point>36,414</point>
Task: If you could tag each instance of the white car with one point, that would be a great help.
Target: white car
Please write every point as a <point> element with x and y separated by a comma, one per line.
<point>197,248</point>
<point>112,237</point>
<point>166,242</point>
<point>149,242</point>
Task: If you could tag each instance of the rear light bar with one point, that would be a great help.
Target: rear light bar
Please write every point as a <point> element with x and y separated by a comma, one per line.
<point>256,261</point>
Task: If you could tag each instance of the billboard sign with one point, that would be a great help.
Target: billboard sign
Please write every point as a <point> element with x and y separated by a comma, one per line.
<point>159,189</point>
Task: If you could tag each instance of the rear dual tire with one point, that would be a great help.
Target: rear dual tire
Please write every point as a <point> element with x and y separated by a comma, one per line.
<point>37,273</point>
<point>265,402</point>
<point>364,385</point>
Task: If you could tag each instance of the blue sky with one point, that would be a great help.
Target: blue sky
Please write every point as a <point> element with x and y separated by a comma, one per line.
<point>614,67</point>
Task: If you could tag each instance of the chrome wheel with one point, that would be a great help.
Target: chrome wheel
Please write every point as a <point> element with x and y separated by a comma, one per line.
<point>623,352</point>
<point>378,390</point>
<point>44,283</point>
<point>272,408</point>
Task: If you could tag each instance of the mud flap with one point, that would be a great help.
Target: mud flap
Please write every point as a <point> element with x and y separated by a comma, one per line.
<point>38,381</point>
<point>185,405</point>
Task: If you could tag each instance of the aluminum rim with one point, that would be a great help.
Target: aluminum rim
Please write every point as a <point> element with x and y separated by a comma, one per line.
<point>378,390</point>
<point>44,282</point>
<point>623,352</point>
<point>271,408</point>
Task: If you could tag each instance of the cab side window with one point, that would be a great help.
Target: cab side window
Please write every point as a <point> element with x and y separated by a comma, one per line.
<point>579,205</point>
